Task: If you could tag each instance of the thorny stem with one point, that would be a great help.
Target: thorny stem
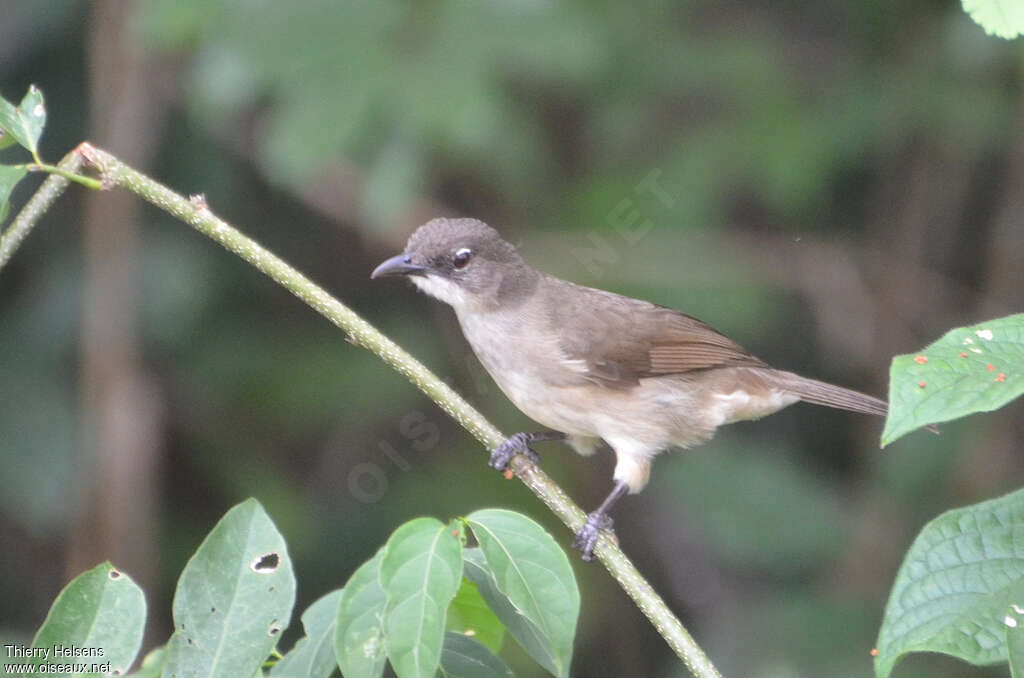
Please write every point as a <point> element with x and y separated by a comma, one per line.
<point>195,212</point>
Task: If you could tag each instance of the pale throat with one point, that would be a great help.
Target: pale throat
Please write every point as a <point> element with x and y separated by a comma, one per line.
<point>442,289</point>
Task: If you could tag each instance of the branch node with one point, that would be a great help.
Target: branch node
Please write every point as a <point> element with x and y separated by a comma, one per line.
<point>87,152</point>
<point>198,201</point>
<point>93,158</point>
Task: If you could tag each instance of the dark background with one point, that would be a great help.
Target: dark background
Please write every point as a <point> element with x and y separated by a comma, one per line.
<point>842,183</point>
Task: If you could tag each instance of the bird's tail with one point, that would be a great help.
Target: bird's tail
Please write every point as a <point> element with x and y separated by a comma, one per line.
<point>820,393</point>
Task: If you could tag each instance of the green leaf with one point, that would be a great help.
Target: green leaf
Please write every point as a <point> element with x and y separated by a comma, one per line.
<point>9,178</point>
<point>6,139</point>
<point>234,597</point>
<point>970,369</point>
<point>102,613</point>
<point>24,123</point>
<point>313,655</point>
<point>1002,18</point>
<point>1014,621</point>
<point>464,657</point>
<point>359,636</point>
<point>152,664</point>
<point>469,615</point>
<point>955,584</point>
<point>530,570</point>
<point>526,633</point>
<point>420,573</point>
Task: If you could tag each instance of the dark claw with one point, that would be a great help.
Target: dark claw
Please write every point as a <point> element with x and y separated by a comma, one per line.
<point>586,538</point>
<point>518,443</point>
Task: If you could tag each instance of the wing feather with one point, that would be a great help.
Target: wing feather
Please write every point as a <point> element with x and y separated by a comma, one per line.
<point>620,340</point>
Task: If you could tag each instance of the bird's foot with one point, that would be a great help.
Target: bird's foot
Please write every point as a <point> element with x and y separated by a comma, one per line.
<point>587,536</point>
<point>517,443</point>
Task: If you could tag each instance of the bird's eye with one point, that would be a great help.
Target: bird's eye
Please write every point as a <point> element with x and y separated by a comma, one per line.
<point>462,257</point>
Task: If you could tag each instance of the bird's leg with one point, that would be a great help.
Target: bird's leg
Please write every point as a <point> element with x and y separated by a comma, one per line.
<point>598,520</point>
<point>519,443</point>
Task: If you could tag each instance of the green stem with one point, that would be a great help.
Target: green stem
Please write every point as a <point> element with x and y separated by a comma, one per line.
<point>88,182</point>
<point>37,205</point>
<point>195,212</point>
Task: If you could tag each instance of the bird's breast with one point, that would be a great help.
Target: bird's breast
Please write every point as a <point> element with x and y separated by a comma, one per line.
<point>526,364</point>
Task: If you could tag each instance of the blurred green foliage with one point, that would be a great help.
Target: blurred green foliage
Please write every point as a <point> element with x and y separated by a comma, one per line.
<point>841,176</point>
<point>530,93</point>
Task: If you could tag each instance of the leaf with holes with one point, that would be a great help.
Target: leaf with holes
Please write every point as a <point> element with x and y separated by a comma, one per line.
<point>959,577</point>
<point>420,573</point>
<point>469,615</point>
<point>359,636</point>
<point>534,574</point>
<point>25,122</point>
<point>313,655</point>
<point>1002,18</point>
<point>234,598</point>
<point>102,609</point>
<point>9,178</point>
<point>464,657</point>
<point>970,369</point>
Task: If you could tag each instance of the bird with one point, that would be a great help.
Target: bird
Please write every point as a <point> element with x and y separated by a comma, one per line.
<point>592,365</point>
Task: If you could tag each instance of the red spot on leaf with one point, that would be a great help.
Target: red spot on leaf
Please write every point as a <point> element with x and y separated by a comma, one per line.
<point>920,360</point>
<point>963,355</point>
<point>874,652</point>
<point>990,367</point>
<point>1001,377</point>
<point>921,384</point>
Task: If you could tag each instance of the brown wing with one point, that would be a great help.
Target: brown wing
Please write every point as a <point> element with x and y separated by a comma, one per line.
<point>617,340</point>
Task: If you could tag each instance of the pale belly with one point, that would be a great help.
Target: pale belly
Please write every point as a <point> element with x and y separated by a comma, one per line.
<point>524,373</point>
<point>556,407</point>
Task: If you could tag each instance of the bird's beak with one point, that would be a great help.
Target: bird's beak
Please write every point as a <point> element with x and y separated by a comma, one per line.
<point>400,264</point>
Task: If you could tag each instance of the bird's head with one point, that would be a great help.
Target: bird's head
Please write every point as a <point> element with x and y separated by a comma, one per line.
<point>462,262</point>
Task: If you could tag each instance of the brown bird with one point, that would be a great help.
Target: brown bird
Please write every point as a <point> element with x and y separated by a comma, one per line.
<point>595,365</point>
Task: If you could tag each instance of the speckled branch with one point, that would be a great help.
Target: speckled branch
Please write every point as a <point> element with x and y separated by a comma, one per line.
<point>195,212</point>
<point>37,206</point>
